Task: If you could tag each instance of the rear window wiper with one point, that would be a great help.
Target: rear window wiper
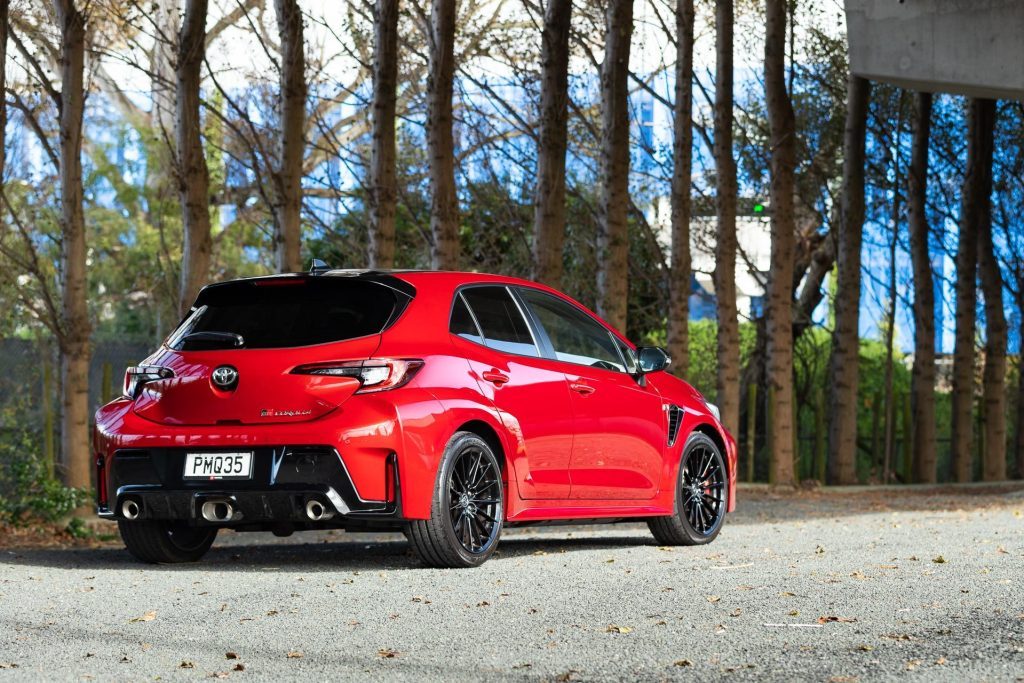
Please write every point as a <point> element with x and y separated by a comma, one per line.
<point>213,339</point>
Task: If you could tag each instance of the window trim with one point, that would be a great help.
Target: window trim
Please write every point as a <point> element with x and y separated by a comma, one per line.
<point>540,351</point>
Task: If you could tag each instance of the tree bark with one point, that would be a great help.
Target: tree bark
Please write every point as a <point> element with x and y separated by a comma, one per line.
<point>74,324</point>
<point>193,175</point>
<point>383,173</point>
<point>971,216</point>
<point>549,208</point>
<point>292,112</point>
<point>726,191</point>
<point>993,456</point>
<point>843,365</point>
<point>779,314</point>
<point>680,272</point>
<point>4,11</point>
<point>166,19</point>
<point>923,378</point>
<point>1020,384</point>
<point>890,314</point>
<point>613,224</point>
<point>444,208</point>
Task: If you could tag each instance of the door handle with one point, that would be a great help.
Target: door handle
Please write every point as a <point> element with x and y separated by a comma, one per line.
<point>581,388</point>
<point>495,377</point>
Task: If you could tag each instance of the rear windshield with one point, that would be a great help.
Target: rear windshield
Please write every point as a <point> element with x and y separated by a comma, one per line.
<point>287,312</point>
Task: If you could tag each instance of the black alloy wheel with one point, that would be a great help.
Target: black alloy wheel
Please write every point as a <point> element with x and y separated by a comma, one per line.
<point>468,510</point>
<point>701,496</point>
<point>702,487</point>
<point>474,499</point>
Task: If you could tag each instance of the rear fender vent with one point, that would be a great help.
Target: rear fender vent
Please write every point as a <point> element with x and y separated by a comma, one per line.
<point>675,418</point>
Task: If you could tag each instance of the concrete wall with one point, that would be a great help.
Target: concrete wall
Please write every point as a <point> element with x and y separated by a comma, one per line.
<point>968,47</point>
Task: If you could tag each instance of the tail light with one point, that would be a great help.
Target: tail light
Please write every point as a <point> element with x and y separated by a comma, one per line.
<point>138,376</point>
<point>374,374</point>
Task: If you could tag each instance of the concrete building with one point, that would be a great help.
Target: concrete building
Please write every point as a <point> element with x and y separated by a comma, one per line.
<point>966,47</point>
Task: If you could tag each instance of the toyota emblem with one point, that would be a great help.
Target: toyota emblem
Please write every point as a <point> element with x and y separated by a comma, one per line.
<point>225,377</point>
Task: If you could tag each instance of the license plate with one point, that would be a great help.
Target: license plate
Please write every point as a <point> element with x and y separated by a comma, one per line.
<point>218,465</point>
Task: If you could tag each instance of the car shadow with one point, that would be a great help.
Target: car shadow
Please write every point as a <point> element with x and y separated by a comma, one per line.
<point>349,554</point>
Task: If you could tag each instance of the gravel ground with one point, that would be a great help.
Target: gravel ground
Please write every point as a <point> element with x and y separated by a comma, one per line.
<point>876,585</point>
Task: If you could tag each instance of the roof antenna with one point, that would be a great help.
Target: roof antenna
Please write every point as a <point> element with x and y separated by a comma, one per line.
<point>318,266</point>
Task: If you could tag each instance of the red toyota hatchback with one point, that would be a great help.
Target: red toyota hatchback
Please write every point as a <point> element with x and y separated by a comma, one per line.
<point>445,405</point>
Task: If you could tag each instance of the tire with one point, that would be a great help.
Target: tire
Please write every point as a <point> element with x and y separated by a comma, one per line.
<point>468,508</point>
<point>696,521</point>
<point>158,542</point>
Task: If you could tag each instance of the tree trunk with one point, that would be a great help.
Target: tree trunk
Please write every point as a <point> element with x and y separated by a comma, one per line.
<point>971,216</point>
<point>549,209</point>
<point>680,271</point>
<point>292,121</point>
<point>724,275</point>
<point>993,456</point>
<point>613,225</point>
<point>166,19</point>
<point>444,208</point>
<point>74,324</point>
<point>4,7</point>
<point>890,314</point>
<point>779,313</point>
<point>383,183</point>
<point>1020,383</point>
<point>923,378</point>
<point>845,360</point>
<point>193,176</point>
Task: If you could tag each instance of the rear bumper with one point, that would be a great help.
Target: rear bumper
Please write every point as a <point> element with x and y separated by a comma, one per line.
<point>285,479</point>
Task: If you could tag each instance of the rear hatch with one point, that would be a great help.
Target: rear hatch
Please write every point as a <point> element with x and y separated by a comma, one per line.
<point>234,358</point>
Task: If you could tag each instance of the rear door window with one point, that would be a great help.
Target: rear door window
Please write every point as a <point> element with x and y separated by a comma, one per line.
<point>501,322</point>
<point>288,312</point>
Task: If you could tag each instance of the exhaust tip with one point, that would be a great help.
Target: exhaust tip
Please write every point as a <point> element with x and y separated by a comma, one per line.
<point>317,511</point>
<point>130,509</point>
<point>217,510</point>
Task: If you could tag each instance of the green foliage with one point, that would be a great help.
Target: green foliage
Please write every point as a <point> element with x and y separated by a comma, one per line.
<point>29,492</point>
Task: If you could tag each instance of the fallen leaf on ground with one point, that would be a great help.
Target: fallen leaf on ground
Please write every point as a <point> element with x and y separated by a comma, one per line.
<point>615,628</point>
<point>295,654</point>
<point>844,620</point>
<point>939,560</point>
<point>713,598</point>
<point>865,647</point>
<point>386,653</point>
<point>185,664</point>
<point>8,665</point>
<point>913,664</point>
<point>231,655</point>
<point>683,662</point>
<point>148,616</point>
<point>941,661</point>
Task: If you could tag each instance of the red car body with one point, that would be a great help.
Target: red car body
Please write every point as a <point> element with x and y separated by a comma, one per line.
<point>575,441</point>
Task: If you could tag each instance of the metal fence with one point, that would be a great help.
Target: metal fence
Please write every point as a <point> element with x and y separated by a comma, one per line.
<point>30,384</point>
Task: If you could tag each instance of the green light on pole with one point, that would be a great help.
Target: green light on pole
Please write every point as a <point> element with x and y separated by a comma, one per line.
<point>758,208</point>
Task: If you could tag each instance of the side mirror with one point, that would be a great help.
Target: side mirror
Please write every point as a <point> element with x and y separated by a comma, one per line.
<point>652,359</point>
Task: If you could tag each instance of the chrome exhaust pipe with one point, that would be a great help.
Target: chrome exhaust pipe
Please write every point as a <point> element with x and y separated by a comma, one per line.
<point>217,510</point>
<point>130,509</point>
<point>317,511</point>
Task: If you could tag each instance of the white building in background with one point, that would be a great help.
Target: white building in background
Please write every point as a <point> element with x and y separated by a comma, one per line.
<point>753,258</point>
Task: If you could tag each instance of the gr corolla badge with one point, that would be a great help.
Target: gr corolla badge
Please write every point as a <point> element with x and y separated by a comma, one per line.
<point>447,405</point>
